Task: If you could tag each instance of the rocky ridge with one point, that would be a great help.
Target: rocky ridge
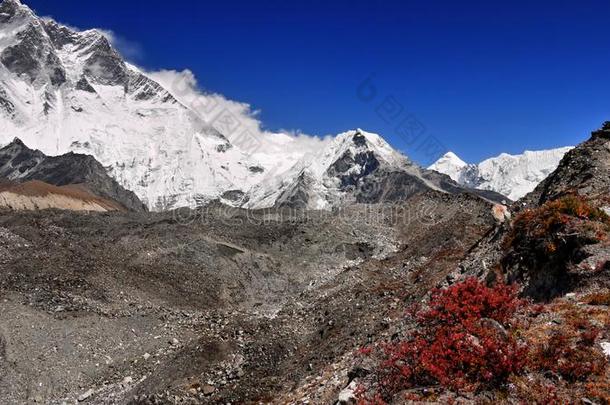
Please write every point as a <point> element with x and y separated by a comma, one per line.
<point>20,164</point>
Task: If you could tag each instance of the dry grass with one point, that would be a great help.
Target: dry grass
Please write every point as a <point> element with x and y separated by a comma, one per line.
<point>597,298</point>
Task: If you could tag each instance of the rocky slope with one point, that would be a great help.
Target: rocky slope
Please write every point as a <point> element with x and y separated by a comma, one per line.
<point>584,172</point>
<point>20,164</point>
<point>37,195</point>
<point>223,304</point>
<point>209,306</point>
<point>511,175</point>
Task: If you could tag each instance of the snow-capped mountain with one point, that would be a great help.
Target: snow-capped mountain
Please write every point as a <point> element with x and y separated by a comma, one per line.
<point>451,165</point>
<point>325,179</point>
<point>64,90</point>
<point>511,175</point>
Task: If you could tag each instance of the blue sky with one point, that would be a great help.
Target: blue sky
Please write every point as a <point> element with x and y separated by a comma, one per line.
<point>481,77</point>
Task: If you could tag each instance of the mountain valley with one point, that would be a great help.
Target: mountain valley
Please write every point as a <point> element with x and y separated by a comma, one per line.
<point>152,254</point>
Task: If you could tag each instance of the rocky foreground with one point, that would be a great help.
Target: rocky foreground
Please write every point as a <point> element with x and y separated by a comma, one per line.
<point>217,305</point>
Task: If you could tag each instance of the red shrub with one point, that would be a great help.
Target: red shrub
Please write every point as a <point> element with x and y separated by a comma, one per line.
<point>471,301</point>
<point>460,341</point>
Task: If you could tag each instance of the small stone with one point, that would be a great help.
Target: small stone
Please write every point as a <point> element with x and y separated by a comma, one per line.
<point>175,342</point>
<point>492,324</point>
<point>606,348</point>
<point>146,356</point>
<point>500,213</point>
<point>127,380</point>
<point>208,389</point>
<point>84,396</point>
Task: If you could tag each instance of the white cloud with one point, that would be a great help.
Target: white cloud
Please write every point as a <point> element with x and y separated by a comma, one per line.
<point>209,106</point>
<point>183,85</point>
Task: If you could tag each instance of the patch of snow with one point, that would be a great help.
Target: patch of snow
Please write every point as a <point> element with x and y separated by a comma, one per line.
<point>348,394</point>
<point>606,348</point>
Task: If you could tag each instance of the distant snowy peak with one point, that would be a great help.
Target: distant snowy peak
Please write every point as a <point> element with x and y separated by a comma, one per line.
<point>451,165</point>
<point>511,175</point>
<point>355,152</point>
<point>355,167</point>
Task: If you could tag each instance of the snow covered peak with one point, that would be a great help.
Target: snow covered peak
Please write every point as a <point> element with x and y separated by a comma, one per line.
<point>449,164</point>
<point>352,144</point>
<point>10,9</point>
<point>453,159</point>
<point>511,175</point>
<point>65,90</point>
<point>329,177</point>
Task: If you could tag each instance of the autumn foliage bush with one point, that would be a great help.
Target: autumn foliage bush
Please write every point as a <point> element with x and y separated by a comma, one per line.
<point>460,342</point>
<point>471,337</point>
<point>543,224</point>
<point>544,245</point>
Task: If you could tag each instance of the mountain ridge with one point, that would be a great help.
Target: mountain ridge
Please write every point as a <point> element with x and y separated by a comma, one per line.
<point>63,90</point>
<point>510,175</point>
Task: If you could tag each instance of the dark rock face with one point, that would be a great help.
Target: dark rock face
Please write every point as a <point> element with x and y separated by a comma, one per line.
<point>143,88</point>
<point>365,163</point>
<point>33,56</point>
<point>584,170</point>
<point>105,65</point>
<point>57,73</point>
<point>25,57</point>
<point>83,85</point>
<point>6,104</point>
<point>19,163</point>
<point>256,169</point>
<point>234,196</point>
<point>11,9</point>
<point>392,186</point>
<point>343,164</point>
<point>297,196</point>
<point>60,36</point>
<point>359,139</point>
